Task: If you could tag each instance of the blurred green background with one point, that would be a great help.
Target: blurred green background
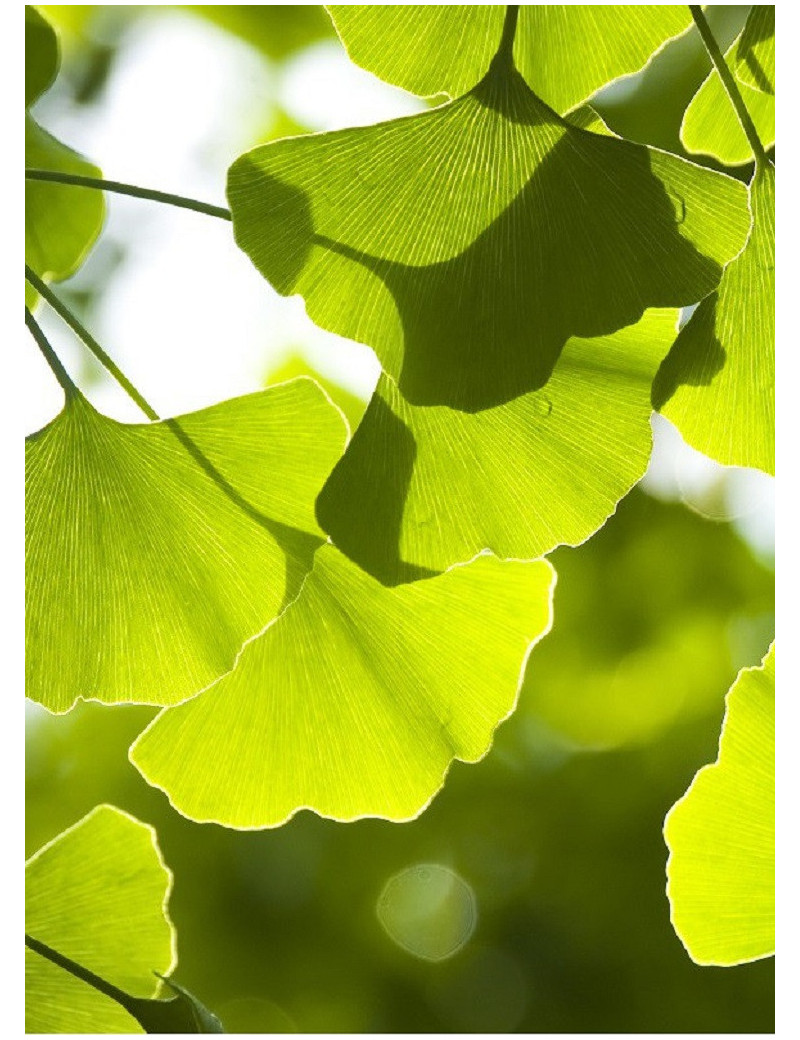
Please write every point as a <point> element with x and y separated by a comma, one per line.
<point>530,896</point>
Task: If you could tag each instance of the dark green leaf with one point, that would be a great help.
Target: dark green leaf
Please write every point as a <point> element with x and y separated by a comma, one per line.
<point>419,489</point>
<point>466,245</point>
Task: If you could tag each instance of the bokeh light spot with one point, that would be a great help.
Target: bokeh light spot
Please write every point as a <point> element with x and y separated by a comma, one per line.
<point>428,910</point>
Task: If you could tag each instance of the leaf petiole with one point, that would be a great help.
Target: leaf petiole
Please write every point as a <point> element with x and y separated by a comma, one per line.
<point>50,355</point>
<point>730,85</point>
<point>69,318</point>
<point>120,188</point>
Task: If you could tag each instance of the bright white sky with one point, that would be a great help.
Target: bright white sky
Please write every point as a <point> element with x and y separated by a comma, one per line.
<point>186,315</point>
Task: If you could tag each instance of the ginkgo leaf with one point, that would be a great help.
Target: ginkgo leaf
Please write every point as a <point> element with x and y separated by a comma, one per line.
<point>357,699</point>
<point>502,231</point>
<point>718,382</point>
<point>565,52</point>
<point>710,124</point>
<point>419,489</point>
<point>154,551</point>
<point>721,834</point>
<point>97,894</point>
<point>755,52</point>
<point>61,222</point>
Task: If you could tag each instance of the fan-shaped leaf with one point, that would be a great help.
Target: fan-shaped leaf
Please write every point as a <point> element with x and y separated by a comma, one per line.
<point>419,489</point>
<point>61,222</point>
<point>97,894</point>
<point>710,125</point>
<point>565,52</point>
<point>721,834</point>
<point>718,382</point>
<point>154,551</point>
<point>502,232</point>
<point>357,699</point>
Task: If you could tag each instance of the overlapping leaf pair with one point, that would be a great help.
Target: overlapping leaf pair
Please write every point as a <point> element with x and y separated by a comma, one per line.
<point>517,276</point>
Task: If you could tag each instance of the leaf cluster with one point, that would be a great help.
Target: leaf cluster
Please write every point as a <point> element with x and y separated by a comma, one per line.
<point>327,622</point>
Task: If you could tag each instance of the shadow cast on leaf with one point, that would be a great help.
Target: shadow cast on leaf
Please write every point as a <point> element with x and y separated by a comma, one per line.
<point>593,238</point>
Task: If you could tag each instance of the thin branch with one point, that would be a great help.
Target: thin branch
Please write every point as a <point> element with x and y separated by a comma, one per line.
<point>120,188</point>
<point>50,356</point>
<point>730,85</point>
<point>67,316</point>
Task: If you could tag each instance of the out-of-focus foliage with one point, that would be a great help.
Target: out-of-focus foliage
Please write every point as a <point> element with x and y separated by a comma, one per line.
<point>710,125</point>
<point>718,383</point>
<point>721,834</point>
<point>276,29</point>
<point>654,616</point>
<point>60,225</point>
<point>155,550</point>
<point>294,365</point>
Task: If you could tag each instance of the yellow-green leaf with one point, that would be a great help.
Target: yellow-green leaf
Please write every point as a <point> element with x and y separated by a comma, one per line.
<point>718,382</point>
<point>357,699</point>
<point>755,52</point>
<point>152,557</point>
<point>98,894</point>
<point>565,51</point>
<point>721,834</point>
<point>61,222</point>
<point>710,124</point>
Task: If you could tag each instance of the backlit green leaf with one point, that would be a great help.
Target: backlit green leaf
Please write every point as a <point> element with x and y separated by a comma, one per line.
<point>718,382</point>
<point>152,557</point>
<point>710,124</point>
<point>355,702</point>
<point>755,53</point>
<point>467,244</point>
<point>97,894</point>
<point>565,52</point>
<point>419,489</point>
<point>721,834</point>
<point>61,222</point>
